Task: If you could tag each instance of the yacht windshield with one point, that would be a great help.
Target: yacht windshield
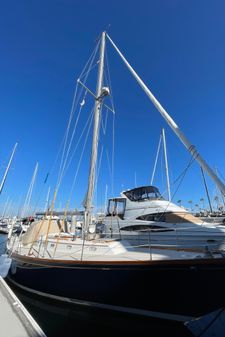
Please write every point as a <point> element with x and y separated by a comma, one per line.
<point>116,206</point>
<point>143,193</point>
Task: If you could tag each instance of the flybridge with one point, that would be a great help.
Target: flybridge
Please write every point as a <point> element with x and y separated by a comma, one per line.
<point>143,193</point>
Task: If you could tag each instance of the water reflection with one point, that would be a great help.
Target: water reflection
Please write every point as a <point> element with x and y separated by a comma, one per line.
<point>3,239</point>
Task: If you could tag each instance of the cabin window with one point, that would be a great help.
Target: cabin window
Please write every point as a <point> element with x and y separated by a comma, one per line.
<point>145,228</point>
<point>92,249</point>
<point>158,217</point>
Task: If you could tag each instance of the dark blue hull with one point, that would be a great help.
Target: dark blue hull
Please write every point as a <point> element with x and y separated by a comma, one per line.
<point>190,288</point>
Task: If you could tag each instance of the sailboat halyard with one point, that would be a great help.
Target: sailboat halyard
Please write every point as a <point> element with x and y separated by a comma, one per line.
<point>110,273</point>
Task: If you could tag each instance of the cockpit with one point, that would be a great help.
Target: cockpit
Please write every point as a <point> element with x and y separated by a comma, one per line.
<point>143,193</point>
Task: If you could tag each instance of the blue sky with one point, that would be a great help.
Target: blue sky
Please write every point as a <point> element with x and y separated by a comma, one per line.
<point>178,49</point>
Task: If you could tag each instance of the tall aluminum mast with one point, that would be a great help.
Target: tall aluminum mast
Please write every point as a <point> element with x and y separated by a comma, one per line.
<point>191,148</point>
<point>100,93</point>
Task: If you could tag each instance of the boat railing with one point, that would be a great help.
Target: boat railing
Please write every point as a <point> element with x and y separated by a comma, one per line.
<point>142,241</point>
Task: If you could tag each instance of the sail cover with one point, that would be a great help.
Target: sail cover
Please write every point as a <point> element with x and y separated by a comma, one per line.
<point>41,228</point>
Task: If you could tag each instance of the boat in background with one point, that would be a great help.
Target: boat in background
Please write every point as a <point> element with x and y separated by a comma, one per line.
<point>10,224</point>
<point>142,212</point>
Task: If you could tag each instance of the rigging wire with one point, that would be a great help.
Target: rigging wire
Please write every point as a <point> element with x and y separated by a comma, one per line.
<point>108,161</point>
<point>113,153</point>
<point>156,159</point>
<point>108,80</point>
<point>179,179</point>
<point>76,99</point>
<point>71,139</point>
<point>99,165</point>
<point>81,156</point>
<point>221,175</point>
<point>113,122</point>
<point>75,178</point>
<point>66,135</point>
<point>92,56</point>
<point>103,124</point>
<point>67,144</point>
<point>162,170</point>
<point>78,116</point>
<point>79,140</point>
<point>97,175</point>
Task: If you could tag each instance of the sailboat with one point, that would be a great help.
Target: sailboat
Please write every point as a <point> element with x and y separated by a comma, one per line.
<point>94,270</point>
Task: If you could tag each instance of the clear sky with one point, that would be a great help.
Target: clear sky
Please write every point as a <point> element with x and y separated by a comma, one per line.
<point>176,46</point>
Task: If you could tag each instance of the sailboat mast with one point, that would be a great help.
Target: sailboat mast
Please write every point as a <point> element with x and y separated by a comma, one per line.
<point>26,206</point>
<point>156,159</point>
<point>7,168</point>
<point>166,165</point>
<point>206,189</point>
<point>191,148</point>
<point>5,207</point>
<point>47,200</point>
<point>95,138</point>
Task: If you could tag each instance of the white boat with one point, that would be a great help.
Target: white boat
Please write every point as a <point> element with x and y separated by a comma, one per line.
<point>9,224</point>
<point>94,270</point>
<point>142,212</point>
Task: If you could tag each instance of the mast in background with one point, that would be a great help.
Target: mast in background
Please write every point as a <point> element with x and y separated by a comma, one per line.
<point>166,165</point>
<point>162,138</point>
<point>5,207</point>
<point>206,189</point>
<point>7,168</point>
<point>29,193</point>
<point>47,199</point>
<point>156,159</point>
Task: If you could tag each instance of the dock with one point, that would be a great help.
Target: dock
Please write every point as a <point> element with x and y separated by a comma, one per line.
<point>210,325</point>
<point>15,320</point>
